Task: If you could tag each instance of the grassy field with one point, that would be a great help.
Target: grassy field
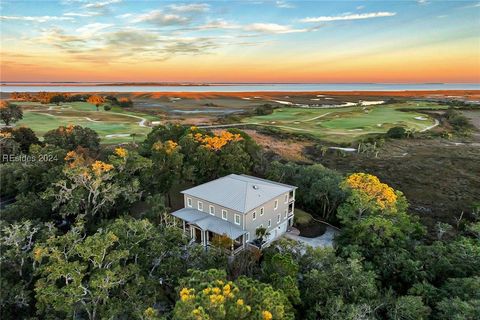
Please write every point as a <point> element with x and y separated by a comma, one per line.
<point>347,124</point>
<point>114,126</point>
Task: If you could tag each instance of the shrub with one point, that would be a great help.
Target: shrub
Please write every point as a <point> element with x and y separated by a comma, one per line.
<point>396,133</point>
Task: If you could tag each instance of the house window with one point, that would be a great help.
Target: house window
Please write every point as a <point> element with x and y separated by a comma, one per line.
<point>254,215</point>
<point>211,210</point>
<point>261,211</point>
<point>278,218</point>
<point>269,223</point>
<point>275,207</point>
<point>286,213</point>
<point>247,236</point>
<point>237,219</point>
<point>224,214</point>
<point>189,202</point>
<point>200,205</point>
<point>286,198</point>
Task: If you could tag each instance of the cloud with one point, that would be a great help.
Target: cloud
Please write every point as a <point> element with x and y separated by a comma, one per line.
<point>423,2</point>
<point>100,5</point>
<point>36,18</point>
<point>192,7</point>
<point>160,18</point>
<point>217,24</point>
<point>91,29</point>
<point>358,16</point>
<point>75,14</point>
<point>360,7</point>
<point>284,5</point>
<point>272,28</point>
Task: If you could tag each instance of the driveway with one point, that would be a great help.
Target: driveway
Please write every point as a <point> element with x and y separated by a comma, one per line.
<point>323,241</point>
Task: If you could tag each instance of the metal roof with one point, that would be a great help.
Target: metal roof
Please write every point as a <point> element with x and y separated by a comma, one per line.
<point>220,227</point>
<point>241,193</point>
<point>189,215</point>
<point>208,222</point>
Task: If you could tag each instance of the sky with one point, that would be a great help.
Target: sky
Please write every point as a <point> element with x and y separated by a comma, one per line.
<point>240,41</point>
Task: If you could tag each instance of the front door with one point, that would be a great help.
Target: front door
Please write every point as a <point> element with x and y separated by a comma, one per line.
<point>198,235</point>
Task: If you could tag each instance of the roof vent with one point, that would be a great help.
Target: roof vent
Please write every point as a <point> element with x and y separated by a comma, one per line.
<point>255,187</point>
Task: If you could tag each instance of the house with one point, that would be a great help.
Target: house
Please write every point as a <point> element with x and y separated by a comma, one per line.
<point>235,206</point>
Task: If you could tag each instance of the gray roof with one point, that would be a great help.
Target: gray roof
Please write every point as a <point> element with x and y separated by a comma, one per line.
<point>241,193</point>
<point>189,215</point>
<point>208,222</point>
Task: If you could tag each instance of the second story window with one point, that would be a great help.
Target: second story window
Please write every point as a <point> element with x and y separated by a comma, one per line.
<point>286,198</point>
<point>211,209</point>
<point>189,202</point>
<point>278,218</point>
<point>224,214</point>
<point>286,213</point>
<point>275,207</point>
<point>254,215</point>
<point>200,205</point>
<point>261,211</point>
<point>237,219</point>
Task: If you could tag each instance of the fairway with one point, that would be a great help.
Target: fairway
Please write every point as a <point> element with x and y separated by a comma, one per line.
<point>347,124</point>
<point>113,126</point>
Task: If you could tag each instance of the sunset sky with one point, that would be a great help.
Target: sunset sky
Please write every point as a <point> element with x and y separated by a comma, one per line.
<point>240,41</point>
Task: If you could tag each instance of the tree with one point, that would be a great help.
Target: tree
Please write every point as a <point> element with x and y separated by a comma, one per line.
<point>396,133</point>
<point>318,187</point>
<point>166,170</point>
<point>261,233</point>
<point>9,112</point>
<point>96,100</point>
<point>408,307</point>
<point>92,187</point>
<point>57,99</point>
<point>125,102</point>
<point>333,288</point>
<point>208,295</point>
<point>281,271</point>
<point>17,241</point>
<point>24,136</point>
<point>73,136</point>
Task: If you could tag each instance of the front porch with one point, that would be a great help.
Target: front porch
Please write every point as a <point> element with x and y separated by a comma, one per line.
<point>208,230</point>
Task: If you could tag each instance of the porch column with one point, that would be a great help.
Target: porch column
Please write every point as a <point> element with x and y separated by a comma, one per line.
<point>183,226</point>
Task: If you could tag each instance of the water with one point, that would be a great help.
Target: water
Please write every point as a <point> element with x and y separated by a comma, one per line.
<point>287,87</point>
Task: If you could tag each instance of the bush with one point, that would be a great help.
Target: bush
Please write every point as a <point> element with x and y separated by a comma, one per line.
<point>397,133</point>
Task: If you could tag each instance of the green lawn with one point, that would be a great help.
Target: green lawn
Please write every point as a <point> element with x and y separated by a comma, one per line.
<point>347,124</point>
<point>114,126</point>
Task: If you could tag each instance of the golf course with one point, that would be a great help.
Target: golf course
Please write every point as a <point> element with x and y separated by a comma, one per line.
<point>344,124</point>
<point>114,126</point>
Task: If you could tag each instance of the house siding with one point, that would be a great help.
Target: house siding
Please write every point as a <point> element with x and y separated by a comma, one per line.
<point>269,214</point>
<point>218,209</point>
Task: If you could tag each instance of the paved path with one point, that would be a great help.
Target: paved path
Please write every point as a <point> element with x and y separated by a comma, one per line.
<point>431,127</point>
<point>323,241</point>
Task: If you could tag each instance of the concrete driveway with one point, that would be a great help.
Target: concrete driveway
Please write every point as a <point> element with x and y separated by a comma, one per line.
<point>323,241</point>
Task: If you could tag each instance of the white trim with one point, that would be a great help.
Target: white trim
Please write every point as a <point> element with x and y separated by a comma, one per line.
<point>226,214</point>
<point>212,212</point>
<point>286,198</point>
<point>262,211</point>
<point>279,217</point>
<point>235,219</point>
<point>247,236</point>
<point>189,202</point>
<point>200,205</point>
<point>275,204</point>
<point>286,213</point>
<point>254,215</point>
